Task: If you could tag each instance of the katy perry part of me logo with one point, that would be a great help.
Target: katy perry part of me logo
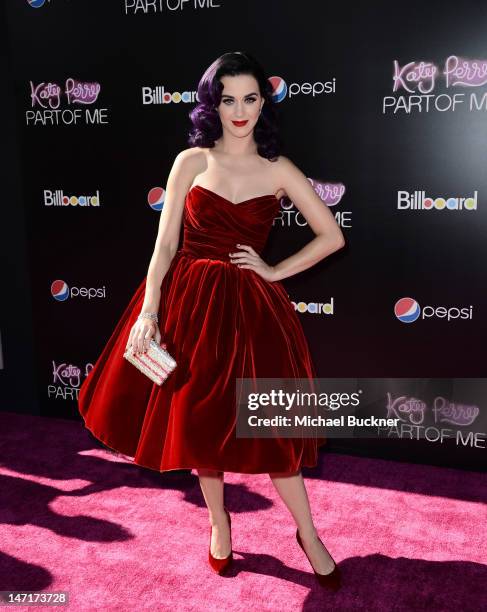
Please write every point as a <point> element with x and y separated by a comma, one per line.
<point>415,84</point>
<point>67,104</point>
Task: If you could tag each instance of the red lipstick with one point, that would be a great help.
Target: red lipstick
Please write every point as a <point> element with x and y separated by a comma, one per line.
<point>240,123</point>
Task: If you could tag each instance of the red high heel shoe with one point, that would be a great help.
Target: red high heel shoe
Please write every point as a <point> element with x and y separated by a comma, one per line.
<point>221,565</point>
<point>332,580</point>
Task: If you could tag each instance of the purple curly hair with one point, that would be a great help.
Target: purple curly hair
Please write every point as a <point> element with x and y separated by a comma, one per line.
<point>206,124</point>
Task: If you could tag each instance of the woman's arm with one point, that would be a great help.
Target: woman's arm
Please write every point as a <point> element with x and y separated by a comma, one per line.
<point>185,167</point>
<point>329,237</point>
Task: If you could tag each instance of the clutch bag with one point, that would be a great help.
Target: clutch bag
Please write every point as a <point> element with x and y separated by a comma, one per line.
<point>156,362</point>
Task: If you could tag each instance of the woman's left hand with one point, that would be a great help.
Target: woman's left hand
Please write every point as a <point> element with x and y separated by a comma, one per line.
<point>248,258</point>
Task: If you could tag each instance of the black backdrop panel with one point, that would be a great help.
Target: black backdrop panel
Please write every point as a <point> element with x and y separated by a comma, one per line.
<point>344,123</point>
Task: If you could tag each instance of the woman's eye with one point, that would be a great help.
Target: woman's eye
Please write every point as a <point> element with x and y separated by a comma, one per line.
<point>247,100</point>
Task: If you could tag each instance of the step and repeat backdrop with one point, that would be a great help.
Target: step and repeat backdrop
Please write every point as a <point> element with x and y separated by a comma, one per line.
<point>384,110</point>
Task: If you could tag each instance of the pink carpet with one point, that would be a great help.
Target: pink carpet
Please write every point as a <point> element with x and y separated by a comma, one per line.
<point>117,537</point>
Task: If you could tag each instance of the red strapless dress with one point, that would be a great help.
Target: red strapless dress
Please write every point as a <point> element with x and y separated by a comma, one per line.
<point>220,322</point>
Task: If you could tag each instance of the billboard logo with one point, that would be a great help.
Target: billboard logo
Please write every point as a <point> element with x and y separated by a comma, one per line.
<point>418,201</point>
<point>58,198</point>
<point>315,307</point>
<point>158,95</point>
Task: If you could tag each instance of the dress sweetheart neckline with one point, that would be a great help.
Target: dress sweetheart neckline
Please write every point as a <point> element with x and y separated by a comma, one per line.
<point>269,195</point>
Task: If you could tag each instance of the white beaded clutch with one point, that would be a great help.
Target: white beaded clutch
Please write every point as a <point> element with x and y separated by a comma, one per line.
<point>156,363</point>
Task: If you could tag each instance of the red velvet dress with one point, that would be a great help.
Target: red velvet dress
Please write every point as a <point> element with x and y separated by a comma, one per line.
<point>219,322</point>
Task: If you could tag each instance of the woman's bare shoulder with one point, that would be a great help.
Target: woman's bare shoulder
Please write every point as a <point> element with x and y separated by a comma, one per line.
<point>193,160</point>
<point>192,153</point>
<point>282,162</point>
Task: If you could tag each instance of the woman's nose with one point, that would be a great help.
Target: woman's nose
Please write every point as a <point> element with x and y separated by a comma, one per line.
<point>239,110</point>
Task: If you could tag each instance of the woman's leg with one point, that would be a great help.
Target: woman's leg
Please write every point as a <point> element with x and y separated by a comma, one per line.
<point>293,493</point>
<point>211,483</point>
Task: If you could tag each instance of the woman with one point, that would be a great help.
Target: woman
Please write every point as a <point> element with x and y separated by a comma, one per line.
<point>223,312</point>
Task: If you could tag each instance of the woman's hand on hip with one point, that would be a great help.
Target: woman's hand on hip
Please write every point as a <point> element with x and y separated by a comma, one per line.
<point>246,257</point>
